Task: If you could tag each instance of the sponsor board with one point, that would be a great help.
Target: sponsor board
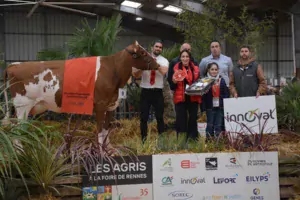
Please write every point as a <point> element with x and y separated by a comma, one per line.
<point>251,111</point>
<point>216,176</point>
<point>207,176</point>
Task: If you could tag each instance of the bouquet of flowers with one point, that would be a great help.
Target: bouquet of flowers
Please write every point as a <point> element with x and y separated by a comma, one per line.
<point>200,87</point>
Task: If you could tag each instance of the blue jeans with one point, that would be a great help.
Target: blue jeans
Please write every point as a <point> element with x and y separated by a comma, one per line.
<point>214,125</point>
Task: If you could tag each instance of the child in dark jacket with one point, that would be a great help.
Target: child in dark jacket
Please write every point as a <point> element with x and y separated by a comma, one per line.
<point>213,101</point>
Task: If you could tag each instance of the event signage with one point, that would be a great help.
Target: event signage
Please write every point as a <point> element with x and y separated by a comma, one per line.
<point>125,178</point>
<point>205,176</point>
<point>251,113</point>
<point>217,176</point>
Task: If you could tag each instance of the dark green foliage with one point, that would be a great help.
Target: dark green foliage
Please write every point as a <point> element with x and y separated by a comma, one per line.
<point>288,107</point>
<point>215,23</point>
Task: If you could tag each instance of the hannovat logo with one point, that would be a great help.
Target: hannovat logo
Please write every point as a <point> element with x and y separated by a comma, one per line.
<point>193,181</point>
<point>124,167</point>
<point>258,179</point>
<point>229,180</point>
<point>180,195</point>
<point>251,116</point>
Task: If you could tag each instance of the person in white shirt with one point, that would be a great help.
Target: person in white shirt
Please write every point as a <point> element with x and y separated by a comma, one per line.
<point>152,93</point>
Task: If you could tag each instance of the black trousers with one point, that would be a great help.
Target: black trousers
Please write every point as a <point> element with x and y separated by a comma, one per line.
<point>151,97</point>
<point>186,118</point>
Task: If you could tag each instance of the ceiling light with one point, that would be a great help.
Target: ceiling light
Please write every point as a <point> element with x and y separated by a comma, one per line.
<point>173,9</point>
<point>159,5</point>
<point>131,4</point>
<point>138,19</point>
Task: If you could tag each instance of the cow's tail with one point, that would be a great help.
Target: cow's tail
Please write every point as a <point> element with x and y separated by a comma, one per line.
<point>5,95</point>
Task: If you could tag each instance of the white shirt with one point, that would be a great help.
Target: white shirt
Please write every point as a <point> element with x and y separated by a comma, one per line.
<point>159,78</point>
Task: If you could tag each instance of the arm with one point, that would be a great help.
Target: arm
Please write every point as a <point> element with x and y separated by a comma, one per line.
<point>230,66</point>
<point>232,85</point>
<point>262,85</point>
<point>223,89</point>
<point>202,67</point>
<point>164,67</point>
<point>170,75</point>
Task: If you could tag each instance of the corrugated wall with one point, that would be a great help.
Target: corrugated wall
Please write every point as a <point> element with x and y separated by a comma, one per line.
<point>276,55</point>
<point>25,37</point>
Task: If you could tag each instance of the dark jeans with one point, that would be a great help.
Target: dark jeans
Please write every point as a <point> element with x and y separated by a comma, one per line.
<point>215,121</point>
<point>186,118</point>
<point>151,97</point>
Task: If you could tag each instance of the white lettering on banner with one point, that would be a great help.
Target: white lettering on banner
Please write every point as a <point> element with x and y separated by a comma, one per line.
<point>124,167</point>
<point>255,113</point>
<point>216,176</point>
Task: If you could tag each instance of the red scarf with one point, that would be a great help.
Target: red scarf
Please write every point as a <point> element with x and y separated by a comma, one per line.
<point>216,89</point>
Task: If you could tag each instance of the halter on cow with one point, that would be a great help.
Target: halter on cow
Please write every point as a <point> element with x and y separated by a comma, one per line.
<point>28,80</point>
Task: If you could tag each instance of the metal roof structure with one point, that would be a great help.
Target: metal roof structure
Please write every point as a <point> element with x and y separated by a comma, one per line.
<point>154,20</point>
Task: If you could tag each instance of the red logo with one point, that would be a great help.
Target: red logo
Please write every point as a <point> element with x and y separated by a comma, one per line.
<point>187,164</point>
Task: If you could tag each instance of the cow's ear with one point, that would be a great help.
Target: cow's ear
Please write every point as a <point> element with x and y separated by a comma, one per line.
<point>136,43</point>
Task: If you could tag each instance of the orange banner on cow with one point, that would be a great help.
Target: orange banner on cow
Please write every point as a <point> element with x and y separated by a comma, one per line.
<point>79,85</point>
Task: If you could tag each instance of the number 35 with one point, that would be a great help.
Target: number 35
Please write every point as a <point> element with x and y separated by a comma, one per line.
<point>144,192</point>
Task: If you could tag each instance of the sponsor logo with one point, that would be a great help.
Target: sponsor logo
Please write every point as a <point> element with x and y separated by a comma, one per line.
<point>251,116</point>
<point>167,181</point>
<point>256,192</point>
<point>229,180</point>
<point>223,197</point>
<point>167,165</point>
<point>124,167</point>
<point>233,164</point>
<point>258,179</point>
<point>211,163</point>
<point>187,164</point>
<point>180,195</point>
<point>259,163</point>
<point>193,181</point>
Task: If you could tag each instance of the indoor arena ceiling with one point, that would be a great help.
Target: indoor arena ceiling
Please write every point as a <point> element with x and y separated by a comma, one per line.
<point>154,20</point>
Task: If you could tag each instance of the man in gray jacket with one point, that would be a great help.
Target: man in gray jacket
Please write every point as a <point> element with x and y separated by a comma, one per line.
<point>247,78</point>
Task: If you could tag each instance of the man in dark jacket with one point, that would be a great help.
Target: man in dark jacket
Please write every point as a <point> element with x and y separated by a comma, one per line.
<point>177,60</point>
<point>247,79</point>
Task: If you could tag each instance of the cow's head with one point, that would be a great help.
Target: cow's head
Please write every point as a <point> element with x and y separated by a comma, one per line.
<point>142,59</point>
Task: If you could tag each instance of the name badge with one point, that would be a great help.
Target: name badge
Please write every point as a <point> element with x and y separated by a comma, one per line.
<point>216,102</point>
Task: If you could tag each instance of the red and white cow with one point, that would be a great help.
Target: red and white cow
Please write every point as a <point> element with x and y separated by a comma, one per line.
<point>37,86</point>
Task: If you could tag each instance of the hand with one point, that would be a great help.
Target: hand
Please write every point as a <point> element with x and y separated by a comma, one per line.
<point>257,94</point>
<point>235,95</point>
<point>174,81</point>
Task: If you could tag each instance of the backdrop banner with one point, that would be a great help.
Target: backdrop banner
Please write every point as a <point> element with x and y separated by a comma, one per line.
<point>251,114</point>
<point>216,176</point>
<point>204,176</point>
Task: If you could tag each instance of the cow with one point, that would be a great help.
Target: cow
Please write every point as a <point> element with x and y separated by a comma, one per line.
<point>27,82</point>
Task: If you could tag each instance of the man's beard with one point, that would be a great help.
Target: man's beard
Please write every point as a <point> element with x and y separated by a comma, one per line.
<point>156,53</point>
<point>245,57</point>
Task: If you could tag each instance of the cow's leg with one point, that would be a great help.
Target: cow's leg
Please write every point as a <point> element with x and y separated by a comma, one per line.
<point>100,118</point>
<point>23,106</point>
